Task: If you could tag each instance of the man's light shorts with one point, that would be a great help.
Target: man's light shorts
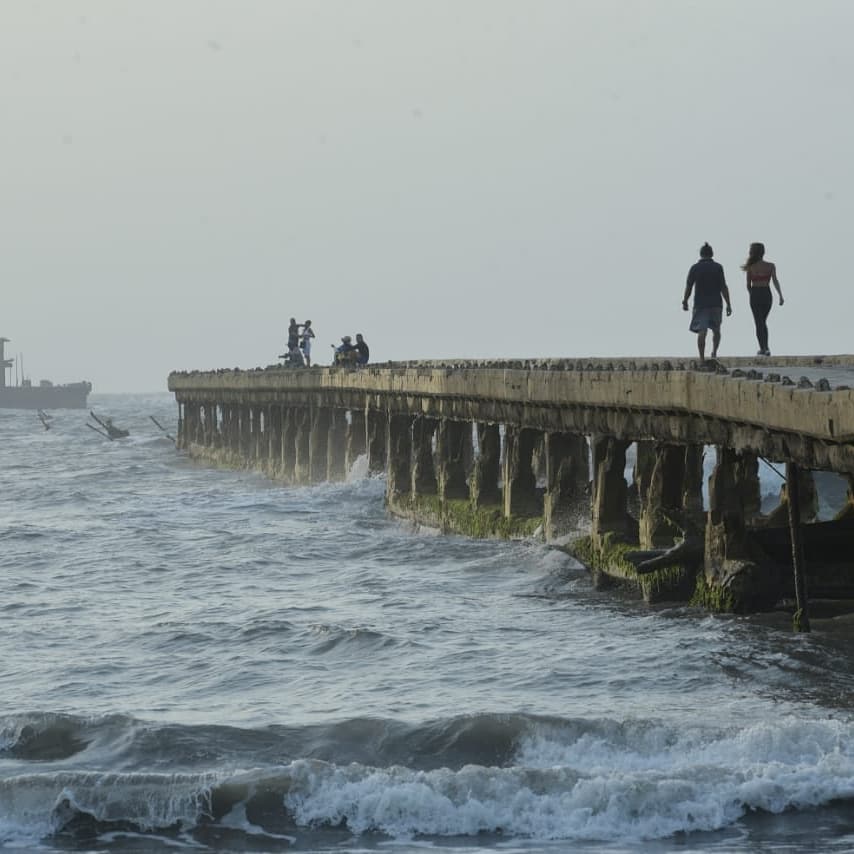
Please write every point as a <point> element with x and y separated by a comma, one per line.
<point>706,318</point>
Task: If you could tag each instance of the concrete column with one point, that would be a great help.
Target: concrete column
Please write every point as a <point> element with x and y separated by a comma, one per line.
<point>318,444</point>
<point>245,432</point>
<point>273,422</point>
<point>336,468</point>
<point>520,485</point>
<point>289,441</point>
<point>257,433</point>
<point>186,424</point>
<point>641,476</point>
<point>356,441</point>
<point>377,424</point>
<point>423,471</point>
<point>731,502</point>
<point>225,426</point>
<point>210,424</point>
<point>453,443</point>
<point>197,429</point>
<point>807,501</point>
<point>663,494</point>
<point>567,472</point>
<point>180,443</point>
<point>610,490</point>
<point>692,486</point>
<point>399,455</point>
<point>190,423</point>
<point>234,429</point>
<point>483,484</point>
<point>847,509</point>
<point>302,432</point>
<point>217,415</point>
<point>264,431</point>
<point>751,488</point>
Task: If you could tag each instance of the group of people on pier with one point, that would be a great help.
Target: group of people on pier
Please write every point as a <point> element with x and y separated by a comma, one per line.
<point>300,337</point>
<point>706,278</point>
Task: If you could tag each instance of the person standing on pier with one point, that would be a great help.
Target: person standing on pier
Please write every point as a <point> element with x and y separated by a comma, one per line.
<point>760,275</point>
<point>364,350</point>
<point>305,344</point>
<point>293,334</point>
<point>706,278</point>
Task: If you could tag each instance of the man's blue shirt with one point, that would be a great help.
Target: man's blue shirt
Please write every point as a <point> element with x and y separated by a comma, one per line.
<point>707,277</point>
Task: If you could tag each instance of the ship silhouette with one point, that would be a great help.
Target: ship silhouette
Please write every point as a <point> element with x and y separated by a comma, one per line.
<point>45,395</point>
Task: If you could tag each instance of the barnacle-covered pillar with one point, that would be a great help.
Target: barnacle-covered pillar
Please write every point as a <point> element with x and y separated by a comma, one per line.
<point>336,468</point>
<point>399,455</point>
<point>520,485</point>
<point>287,464</point>
<point>735,572</point>
<point>302,433</point>
<point>483,484</point>
<point>377,424</point>
<point>356,442</point>
<point>423,470</point>
<point>610,491</point>
<point>318,445</point>
<point>661,499</point>
<point>453,444</point>
<point>567,473</point>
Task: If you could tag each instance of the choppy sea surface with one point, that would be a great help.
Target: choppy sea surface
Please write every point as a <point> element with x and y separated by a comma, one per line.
<point>204,660</point>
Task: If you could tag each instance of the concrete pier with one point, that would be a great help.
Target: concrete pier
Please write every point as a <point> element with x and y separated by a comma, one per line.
<point>504,449</point>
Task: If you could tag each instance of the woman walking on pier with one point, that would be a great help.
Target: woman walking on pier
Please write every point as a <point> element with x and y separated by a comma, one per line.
<point>760,275</point>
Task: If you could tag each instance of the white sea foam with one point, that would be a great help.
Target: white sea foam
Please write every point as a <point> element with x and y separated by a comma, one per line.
<point>358,469</point>
<point>34,805</point>
<point>650,782</point>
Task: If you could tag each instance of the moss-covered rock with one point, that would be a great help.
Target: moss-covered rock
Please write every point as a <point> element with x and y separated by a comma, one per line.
<point>460,516</point>
<point>609,567</point>
<point>713,598</point>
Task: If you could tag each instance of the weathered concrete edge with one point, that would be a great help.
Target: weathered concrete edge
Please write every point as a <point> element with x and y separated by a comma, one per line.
<point>824,415</point>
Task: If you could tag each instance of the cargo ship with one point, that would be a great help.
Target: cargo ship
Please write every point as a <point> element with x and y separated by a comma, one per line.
<point>45,395</point>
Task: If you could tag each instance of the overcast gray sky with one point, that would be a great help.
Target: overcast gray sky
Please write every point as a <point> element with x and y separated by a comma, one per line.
<point>463,178</point>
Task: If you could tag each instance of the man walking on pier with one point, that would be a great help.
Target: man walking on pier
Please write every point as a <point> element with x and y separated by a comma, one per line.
<point>707,276</point>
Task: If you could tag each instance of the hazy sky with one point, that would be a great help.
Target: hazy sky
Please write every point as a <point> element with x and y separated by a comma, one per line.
<point>450,177</point>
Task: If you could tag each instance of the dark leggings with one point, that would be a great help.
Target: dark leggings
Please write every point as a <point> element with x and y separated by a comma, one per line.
<point>760,305</point>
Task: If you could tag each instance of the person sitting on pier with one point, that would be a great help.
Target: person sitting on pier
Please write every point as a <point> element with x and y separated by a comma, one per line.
<point>364,352</point>
<point>711,292</point>
<point>346,353</point>
<point>294,359</point>
<point>293,334</point>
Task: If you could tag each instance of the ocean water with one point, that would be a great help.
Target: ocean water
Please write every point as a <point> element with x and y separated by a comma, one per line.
<point>203,660</point>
